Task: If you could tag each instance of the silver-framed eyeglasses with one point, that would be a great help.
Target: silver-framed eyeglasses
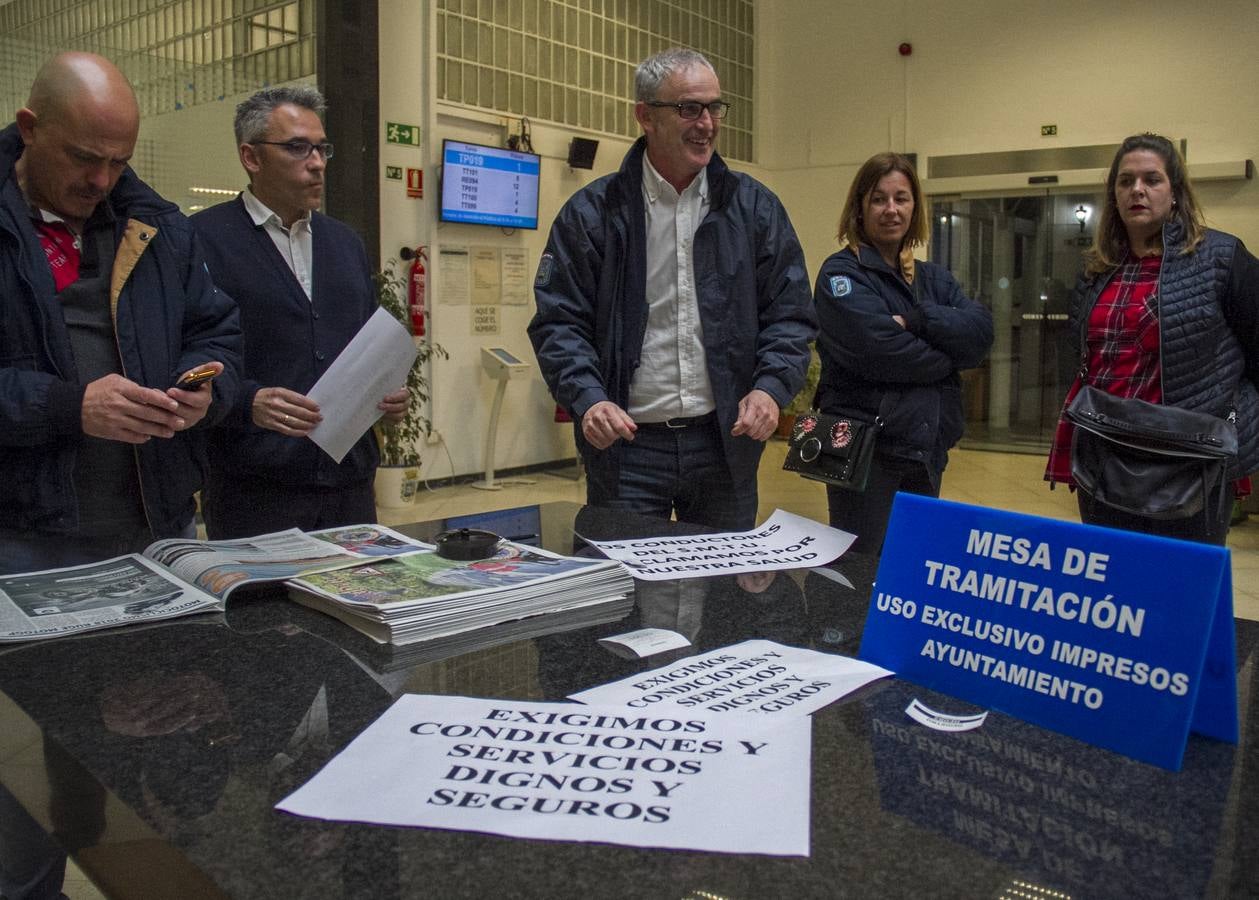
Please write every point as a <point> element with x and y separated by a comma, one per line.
<point>300,149</point>
<point>693,109</point>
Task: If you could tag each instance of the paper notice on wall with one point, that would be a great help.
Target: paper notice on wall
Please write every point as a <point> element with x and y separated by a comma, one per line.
<point>561,772</point>
<point>452,275</point>
<point>486,277</point>
<point>515,276</point>
<point>485,319</point>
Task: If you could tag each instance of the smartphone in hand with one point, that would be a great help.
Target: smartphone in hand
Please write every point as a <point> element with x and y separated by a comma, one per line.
<point>197,377</point>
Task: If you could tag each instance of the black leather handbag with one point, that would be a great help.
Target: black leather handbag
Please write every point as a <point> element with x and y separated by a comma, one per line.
<point>837,450</point>
<point>1146,459</point>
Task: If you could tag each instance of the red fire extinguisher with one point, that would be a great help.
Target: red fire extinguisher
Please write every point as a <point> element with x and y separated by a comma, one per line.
<point>416,288</point>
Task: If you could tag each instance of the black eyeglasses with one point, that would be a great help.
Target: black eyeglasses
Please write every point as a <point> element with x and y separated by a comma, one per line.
<point>301,149</point>
<point>693,109</point>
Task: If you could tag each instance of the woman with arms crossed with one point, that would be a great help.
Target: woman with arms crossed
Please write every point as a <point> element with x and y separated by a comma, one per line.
<point>895,333</point>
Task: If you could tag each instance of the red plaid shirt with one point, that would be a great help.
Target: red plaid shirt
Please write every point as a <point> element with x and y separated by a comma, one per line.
<point>1123,357</point>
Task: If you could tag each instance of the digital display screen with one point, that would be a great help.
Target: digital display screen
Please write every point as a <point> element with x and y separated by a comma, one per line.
<point>505,356</point>
<point>489,185</point>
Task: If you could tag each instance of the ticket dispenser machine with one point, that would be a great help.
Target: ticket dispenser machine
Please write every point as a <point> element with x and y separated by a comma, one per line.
<point>500,365</point>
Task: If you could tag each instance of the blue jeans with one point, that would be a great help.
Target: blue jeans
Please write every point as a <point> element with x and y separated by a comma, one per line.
<point>678,470</point>
<point>865,513</point>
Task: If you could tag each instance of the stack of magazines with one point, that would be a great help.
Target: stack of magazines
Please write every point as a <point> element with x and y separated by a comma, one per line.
<point>389,586</point>
<point>423,596</point>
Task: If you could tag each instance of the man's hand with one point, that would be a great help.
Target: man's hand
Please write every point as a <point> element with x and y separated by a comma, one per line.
<point>758,416</point>
<point>194,403</point>
<point>395,405</point>
<point>604,422</point>
<point>285,411</point>
<point>118,409</point>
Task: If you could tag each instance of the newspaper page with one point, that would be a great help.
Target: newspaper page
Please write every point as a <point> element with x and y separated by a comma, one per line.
<point>119,591</point>
<point>220,567</point>
<point>178,577</point>
<point>422,596</point>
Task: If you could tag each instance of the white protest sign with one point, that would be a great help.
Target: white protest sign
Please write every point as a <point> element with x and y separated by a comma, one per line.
<point>773,680</point>
<point>785,541</point>
<point>559,771</point>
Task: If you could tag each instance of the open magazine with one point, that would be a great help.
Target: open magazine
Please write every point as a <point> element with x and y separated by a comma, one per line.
<point>178,577</point>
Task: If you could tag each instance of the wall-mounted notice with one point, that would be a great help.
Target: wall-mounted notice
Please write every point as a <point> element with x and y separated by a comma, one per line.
<point>562,772</point>
<point>1120,639</point>
<point>515,278</point>
<point>453,273</point>
<point>486,286</point>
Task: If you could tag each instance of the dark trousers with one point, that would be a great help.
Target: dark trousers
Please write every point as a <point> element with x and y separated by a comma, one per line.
<point>244,507</point>
<point>678,470</point>
<point>865,513</point>
<point>1206,527</point>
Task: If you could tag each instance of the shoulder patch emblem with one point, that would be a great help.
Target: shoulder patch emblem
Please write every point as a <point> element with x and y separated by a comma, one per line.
<point>545,265</point>
<point>841,286</point>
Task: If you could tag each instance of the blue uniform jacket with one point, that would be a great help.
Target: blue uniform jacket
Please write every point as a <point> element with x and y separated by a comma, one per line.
<point>592,308</point>
<point>290,341</point>
<point>907,376</point>
<point>168,318</point>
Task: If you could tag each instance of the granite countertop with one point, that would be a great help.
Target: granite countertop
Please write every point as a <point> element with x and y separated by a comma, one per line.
<point>166,747</point>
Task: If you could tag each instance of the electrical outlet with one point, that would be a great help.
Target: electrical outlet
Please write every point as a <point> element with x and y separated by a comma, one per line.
<point>433,438</point>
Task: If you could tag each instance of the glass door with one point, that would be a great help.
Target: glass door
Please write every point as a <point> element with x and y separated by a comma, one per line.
<point>1020,256</point>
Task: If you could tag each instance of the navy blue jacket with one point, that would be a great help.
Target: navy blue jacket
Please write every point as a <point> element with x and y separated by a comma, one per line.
<point>1208,323</point>
<point>751,285</point>
<point>907,376</point>
<point>290,341</point>
<point>168,318</point>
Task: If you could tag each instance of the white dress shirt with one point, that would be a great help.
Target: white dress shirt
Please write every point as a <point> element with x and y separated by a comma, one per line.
<point>294,244</point>
<point>672,376</point>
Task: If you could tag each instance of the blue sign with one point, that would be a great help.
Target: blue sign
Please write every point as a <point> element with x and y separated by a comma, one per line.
<point>1120,639</point>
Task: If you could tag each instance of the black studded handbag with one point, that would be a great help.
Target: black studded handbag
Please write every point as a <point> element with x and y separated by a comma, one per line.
<point>836,449</point>
<point>1146,459</point>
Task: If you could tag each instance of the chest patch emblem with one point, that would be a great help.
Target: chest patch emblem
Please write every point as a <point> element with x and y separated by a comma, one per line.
<point>841,286</point>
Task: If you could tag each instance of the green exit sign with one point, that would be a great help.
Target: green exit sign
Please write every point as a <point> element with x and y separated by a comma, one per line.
<point>397,133</point>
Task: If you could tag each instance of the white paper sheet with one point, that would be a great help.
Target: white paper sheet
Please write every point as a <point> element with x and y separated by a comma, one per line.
<point>374,363</point>
<point>643,643</point>
<point>785,541</point>
<point>925,715</point>
<point>515,276</point>
<point>454,271</point>
<point>559,771</point>
<point>766,679</point>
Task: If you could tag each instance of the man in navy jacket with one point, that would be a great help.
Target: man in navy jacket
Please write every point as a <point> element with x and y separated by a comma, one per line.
<point>304,287</point>
<point>105,303</point>
<point>674,313</point>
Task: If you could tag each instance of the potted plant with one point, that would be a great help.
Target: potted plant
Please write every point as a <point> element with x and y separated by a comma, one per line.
<point>398,477</point>
<point>803,401</point>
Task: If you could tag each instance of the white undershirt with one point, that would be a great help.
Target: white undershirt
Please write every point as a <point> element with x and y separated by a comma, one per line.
<point>672,377</point>
<point>294,244</point>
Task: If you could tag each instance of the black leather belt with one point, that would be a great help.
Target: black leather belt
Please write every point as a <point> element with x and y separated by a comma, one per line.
<point>681,421</point>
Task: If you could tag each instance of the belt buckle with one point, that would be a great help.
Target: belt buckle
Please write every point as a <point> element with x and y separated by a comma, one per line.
<point>682,422</point>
